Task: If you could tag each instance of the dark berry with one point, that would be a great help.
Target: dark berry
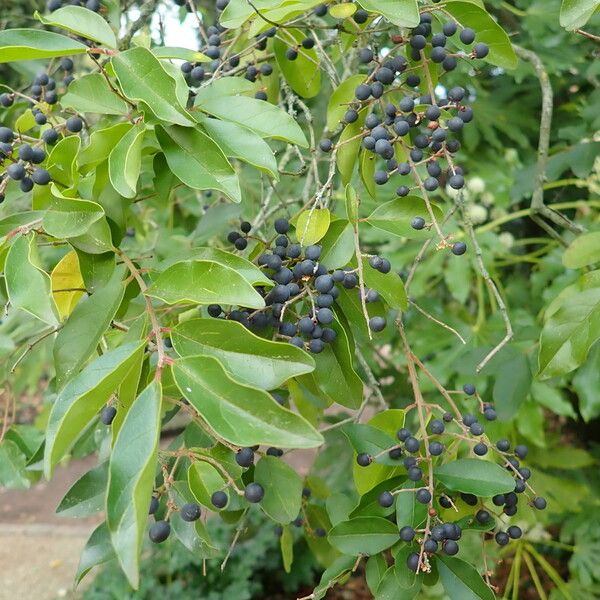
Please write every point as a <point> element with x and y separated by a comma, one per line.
<point>407,534</point>
<point>502,538</point>
<point>364,460</point>
<point>108,414</point>
<point>459,248</point>
<point>467,36</point>
<point>386,499</point>
<point>190,512</point>
<point>159,531</point>
<point>377,324</point>
<point>254,492</point>
<point>219,499</point>
<point>244,457</point>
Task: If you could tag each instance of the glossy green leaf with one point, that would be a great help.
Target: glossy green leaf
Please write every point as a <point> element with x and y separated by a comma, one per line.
<point>340,98</point>
<point>312,225</point>
<point>91,93</point>
<point>85,497</point>
<point>194,536</point>
<point>583,251</point>
<point>239,142</point>
<point>336,571</point>
<point>30,44</point>
<point>488,31</point>
<point>143,78</point>
<point>363,535</point>
<point>97,551</point>
<point>574,14</point>
<point>81,399</point>
<point>246,357</point>
<point>283,489</point>
<point>461,580</point>
<point>28,285</point>
<point>131,479</point>
<point>204,480</point>
<point>396,215</point>
<point>198,161</point>
<point>240,414</point>
<point>409,511</point>
<point>82,22</point>
<point>587,383</point>
<point>168,52</point>
<point>62,162</point>
<point>81,334</point>
<point>569,332</point>
<point>404,13</point>
<point>398,582</point>
<point>248,270</point>
<point>334,375</point>
<point>12,466</point>
<point>374,571</point>
<point>352,203</point>
<point>372,441</point>
<point>265,119</point>
<point>102,141</point>
<point>204,282</point>
<point>303,74</point>
<point>475,476</point>
<point>337,246</point>
<point>389,285</point>
<point>366,169</point>
<point>125,162</point>
<point>70,217</point>
<point>348,147</point>
<point>286,544</point>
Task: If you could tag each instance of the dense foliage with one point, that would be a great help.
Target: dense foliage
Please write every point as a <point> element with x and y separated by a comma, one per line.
<point>345,250</point>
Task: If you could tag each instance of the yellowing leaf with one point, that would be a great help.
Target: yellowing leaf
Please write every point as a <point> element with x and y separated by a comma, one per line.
<point>66,280</point>
<point>312,225</point>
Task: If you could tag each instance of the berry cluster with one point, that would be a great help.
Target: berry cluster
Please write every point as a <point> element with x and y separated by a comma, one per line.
<point>420,451</point>
<point>300,306</point>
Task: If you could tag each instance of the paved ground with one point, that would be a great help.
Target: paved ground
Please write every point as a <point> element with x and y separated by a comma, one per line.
<point>39,551</point>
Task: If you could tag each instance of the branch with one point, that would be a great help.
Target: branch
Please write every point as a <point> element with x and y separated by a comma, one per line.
<point>538,209</point>
<point>146,13</point>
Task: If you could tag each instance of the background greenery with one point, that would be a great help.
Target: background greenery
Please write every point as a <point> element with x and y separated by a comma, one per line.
<point>557,412</point>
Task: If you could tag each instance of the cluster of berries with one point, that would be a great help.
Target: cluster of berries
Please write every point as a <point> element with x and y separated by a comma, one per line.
<point>438,535</point>
<point>300,306</point>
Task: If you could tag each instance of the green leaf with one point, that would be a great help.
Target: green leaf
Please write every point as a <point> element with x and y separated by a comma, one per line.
<point>169,52</point>
<point>363,535</point>
<point>125,161</point>
<point>475,476</point>
<point>569,332</point>
<point>374,571</point>
<point>337,570</point>
<point>574,14</point>
<point>488,31</point>
<point>366,168</point>
<point>204,282</point>
<point>409,511</point>
<point>249,271</point>
<point>583,251</point>
<point>142,78</point>
<point>239,142</point>
<point>97,551</point>
<point>12,466</point>
<point>404,13</point>
<point>102,141</point>
<point>131,479</point>
<point>91,93</point>
<point>28,285</point>
<point>303,74</point>
<point>340,98</point>
<point>389,285</point>
<point>461,580</point>
<point>30,44</point>
<point>286,544</point>
<point>204,480</point>
<point>342,11</point>
<point>197,161</point>
<point>369,440</point>
<point>398,582</point>
<point>70,217</point>
<point>85,497</point>
<point>81,399</point>
<point>283,489</point>
<point>81,334</point>
<point>369,506</point>
<point>337,245</point>
<point>334,376</point>
<point>587,383</point>
<point>62,164</point>
<point>349,147</point>
<point>554,399</point>
<point>246,357</point>
<point>352,203</point>
<point>83,22</point>
<point>194,536</point>
<point>240,414</point>
<point>396,215</point>
<point>265,119</point>
<point>312,225</point>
